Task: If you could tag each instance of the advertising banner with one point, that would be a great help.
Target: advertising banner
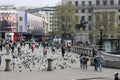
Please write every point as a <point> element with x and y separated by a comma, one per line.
<point>8,22</point>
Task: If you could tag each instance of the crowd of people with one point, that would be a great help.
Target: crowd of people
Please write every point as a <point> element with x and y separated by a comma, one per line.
<point>10,46</point>
<point>97,58</point>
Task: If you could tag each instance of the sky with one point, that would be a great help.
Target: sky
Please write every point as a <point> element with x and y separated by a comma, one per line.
<point>40,3</point>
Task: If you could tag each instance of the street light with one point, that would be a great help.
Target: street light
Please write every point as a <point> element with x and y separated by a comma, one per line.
<point>28,33</point>
<point>72,34</point>
<point>101,39</point>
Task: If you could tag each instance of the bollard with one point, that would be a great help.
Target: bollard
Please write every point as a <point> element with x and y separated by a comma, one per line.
<point>49,65</point>
<point>7,65</point>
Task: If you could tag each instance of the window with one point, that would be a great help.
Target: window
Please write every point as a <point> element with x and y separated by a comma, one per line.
<point>89,10</point>
<point>90,3</point>
<point>89,18</point>
<point>104,3</point>
<point>76,3</point>
<point>111,2</point>
<point>70,2</point>
<point>97,2</point>
<point>83,3</point>
<point>20,28</point>
<point>51,27</point>
<point>20,19</point>
<point>89,26</point>
<point>82,11</point>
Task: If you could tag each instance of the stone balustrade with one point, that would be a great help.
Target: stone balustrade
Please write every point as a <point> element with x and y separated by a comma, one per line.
<point>111,61</point>
<point>83,50</point>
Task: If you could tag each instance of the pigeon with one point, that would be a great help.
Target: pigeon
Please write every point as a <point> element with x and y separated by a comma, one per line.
<point>20,70</point>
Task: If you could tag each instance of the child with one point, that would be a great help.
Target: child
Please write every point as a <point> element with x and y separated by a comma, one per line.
<point>32,47</point>
<point>14,62</point>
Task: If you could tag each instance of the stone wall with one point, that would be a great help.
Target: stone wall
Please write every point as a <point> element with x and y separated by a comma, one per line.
<point>111,61</point>
<point>109,64</point>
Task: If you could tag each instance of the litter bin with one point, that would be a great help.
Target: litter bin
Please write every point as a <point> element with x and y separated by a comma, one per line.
<point>49,65</point>
<point>7,64</point>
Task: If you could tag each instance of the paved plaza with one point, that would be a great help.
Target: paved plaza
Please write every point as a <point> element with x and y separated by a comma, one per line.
<point>34,67</point>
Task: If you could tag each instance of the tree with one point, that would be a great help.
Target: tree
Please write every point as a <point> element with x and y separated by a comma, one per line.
<point>66,18</point>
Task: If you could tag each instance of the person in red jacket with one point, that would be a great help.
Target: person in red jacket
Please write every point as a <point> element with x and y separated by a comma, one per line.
<point>32,48</point>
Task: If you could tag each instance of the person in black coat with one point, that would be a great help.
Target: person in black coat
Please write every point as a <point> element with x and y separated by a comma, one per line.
<point>116,76</point>
<point>0,47</point>
<point>63,50</point>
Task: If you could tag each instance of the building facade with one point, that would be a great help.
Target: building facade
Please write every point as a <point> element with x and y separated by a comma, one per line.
<point>89,9</point>
<point>98,13</point>
<point>49,16</point>
<point>50,13</point>
<point>14,22</point>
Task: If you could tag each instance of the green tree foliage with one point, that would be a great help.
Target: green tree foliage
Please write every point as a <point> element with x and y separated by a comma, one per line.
<point>66,18</point>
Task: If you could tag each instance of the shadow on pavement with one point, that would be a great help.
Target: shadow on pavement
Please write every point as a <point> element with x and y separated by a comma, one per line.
<point>97,78</point>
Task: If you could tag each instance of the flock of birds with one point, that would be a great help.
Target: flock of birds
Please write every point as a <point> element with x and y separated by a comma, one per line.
<point>29,61</point>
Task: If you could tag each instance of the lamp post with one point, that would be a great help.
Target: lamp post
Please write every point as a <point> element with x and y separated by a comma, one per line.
<point>101,39</point>
<point>28,33</point>
<point>72,37</point>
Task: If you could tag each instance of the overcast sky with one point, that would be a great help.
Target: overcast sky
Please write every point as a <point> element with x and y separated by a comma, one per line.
<point>41,3</point>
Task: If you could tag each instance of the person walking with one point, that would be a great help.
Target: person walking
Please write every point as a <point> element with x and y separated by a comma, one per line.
<point>63,50</point>
<point>32,48</point>
<point>100,61</point>
<point>12,47</point>
<point>85,60</point>
<point>19,51</point>
<point>45,51</point>
<point>21,44</point>
<point>1,47</point>
<point>7,49</point>
<point>96,63</point>
<point>14,62</point>
<point>29,45</point>
<point>68,47</point>
<point>81,60</point>
<point>116,76</point>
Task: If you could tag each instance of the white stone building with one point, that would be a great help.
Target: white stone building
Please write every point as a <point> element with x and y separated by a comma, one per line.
<point>88,8</point>
<point>48,15</point>
<point>51,17</point>
<point>35,23</point>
